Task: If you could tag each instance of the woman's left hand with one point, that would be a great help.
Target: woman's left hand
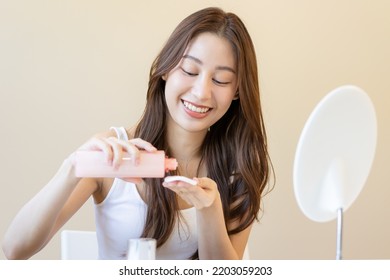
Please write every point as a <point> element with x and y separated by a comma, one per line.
<point>202,195</point>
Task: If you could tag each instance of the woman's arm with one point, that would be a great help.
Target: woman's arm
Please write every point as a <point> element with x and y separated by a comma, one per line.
<point>41,217</point>
<point>38,221</point>
<point>213,239</point>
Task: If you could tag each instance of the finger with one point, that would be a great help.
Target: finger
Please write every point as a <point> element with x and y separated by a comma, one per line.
<point>183,189</point>
<point>192,198</point>
<point>205,183</point>
<point>119,147</point>
<point>98,144</point>
<point>190,194</point>
<point>182,193</point>
<point>140,143</point>
<point>174,187</point>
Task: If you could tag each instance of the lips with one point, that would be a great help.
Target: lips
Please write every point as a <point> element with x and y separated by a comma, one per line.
<point>195,109</point>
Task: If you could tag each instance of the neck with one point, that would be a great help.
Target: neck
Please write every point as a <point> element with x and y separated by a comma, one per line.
<point>184,144</point>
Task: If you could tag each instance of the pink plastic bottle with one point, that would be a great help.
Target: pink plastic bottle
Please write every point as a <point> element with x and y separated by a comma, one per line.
<point>151,165</point>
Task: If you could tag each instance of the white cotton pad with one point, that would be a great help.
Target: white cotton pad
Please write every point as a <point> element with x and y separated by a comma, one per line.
<point>169,179</point>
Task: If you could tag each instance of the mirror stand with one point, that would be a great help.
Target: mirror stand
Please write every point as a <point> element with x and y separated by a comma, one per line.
<point>339,241</point>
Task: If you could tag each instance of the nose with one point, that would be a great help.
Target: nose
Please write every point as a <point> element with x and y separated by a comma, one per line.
<point>202,88</point>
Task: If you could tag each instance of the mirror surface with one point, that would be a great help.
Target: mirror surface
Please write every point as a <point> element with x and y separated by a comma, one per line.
<point>335,153</point>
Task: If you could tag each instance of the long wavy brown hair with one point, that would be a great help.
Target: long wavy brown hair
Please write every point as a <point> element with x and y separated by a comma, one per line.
<point>234,150</point>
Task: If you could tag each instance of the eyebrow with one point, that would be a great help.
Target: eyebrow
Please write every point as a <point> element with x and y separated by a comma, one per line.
<point>197,60</point>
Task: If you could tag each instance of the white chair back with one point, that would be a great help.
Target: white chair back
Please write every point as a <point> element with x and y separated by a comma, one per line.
<point>78,245</point>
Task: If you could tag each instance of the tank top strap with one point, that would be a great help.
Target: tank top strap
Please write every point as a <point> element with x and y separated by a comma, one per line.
<point>120,132</point>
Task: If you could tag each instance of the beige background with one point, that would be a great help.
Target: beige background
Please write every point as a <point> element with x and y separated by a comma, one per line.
<point>69,69</point>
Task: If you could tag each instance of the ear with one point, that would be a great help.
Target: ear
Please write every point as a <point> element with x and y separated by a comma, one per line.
<point>164,77</point>
<point>236,96</point>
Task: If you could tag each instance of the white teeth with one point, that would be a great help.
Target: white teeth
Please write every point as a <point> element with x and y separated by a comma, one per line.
<point>194,108</point>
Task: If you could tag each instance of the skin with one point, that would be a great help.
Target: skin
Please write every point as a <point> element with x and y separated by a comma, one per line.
<point>199,90</point>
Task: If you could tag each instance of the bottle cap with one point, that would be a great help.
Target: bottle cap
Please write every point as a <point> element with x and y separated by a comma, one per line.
<point>170,164</point>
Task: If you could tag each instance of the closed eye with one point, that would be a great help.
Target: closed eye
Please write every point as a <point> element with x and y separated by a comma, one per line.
<point>191,74</point>
<point>220,83</point>
<point>188,73</point>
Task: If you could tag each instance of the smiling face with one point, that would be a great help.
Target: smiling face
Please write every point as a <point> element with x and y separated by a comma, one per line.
<point>200,89</point>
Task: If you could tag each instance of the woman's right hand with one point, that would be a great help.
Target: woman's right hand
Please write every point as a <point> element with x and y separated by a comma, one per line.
<point>114,150</point>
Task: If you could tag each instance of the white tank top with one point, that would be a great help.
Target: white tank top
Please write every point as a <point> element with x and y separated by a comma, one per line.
<point>121,216</point>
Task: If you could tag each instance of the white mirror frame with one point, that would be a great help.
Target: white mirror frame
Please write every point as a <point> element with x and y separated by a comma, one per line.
<point>334,155</point>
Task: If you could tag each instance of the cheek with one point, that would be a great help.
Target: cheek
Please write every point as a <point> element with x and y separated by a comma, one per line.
<point>175,87</point>
<point>174,82</point>
<point>224,104</point>
<point>226,107</point>
<point>225,99</point>
<point>172,91</point>
<point>170,86</point>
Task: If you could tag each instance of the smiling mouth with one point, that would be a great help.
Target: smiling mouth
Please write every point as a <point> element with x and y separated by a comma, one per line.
<point>195,109</point>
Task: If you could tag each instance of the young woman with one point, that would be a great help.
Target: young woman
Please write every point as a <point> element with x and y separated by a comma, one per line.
<point>203,108</point>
